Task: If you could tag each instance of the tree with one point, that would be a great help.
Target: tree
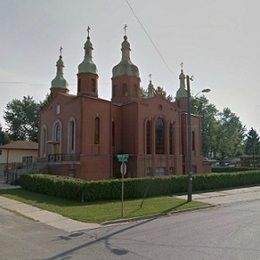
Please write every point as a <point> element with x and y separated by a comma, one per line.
<point>230,135</point>
<point>252,143</point>
<point>43,104</point>
<point>4,138</point>
<point>210,125</point>
<point>159,91</point>
<point>21,117</point>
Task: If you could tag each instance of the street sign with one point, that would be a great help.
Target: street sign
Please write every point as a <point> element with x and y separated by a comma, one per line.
<point>122,157</point>
<point>123,168</point>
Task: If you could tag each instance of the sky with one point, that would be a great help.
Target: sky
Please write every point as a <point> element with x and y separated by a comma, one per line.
<point>218,42</point>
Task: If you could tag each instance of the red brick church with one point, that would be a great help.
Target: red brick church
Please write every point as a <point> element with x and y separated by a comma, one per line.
<point>81,134</point>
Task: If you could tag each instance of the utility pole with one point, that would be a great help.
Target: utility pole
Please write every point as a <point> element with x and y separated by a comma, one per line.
<point>189,160</point>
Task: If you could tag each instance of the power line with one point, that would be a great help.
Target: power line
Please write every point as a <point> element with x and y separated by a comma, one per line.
<point>149,37</point>
<point>22,83</point>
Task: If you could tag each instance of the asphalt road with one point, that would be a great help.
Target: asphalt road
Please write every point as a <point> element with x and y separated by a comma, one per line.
<point>225,232</point>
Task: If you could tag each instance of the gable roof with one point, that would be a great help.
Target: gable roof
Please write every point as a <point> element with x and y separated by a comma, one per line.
<point>21,145</point>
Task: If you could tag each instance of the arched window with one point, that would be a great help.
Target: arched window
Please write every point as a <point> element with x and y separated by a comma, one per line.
<point>148,137</point>
<point>72,136</point>
<point>57,137</point>
<point>159,133</point>
<point>57,132</point>
<point>171,138</point>
<point>44,141</point>
<point>97,130</point>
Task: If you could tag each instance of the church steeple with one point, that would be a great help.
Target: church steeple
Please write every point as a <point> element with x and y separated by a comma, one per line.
<point>125,66</point>
<point>125,77</point>
<point>182,92</point>
<point>87,65</point>
<point>150,89</point>
<point>59,84</point>
<point>87,75</point>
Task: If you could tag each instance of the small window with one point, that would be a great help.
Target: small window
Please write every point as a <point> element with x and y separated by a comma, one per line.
<point>125,91</point>
<point>79,85</point>
<point>114,90</point>
<point>0,152</point>
<point>93,85</point>
<point>58,109</point>
<point>135,90</point>
<point>97,130</point>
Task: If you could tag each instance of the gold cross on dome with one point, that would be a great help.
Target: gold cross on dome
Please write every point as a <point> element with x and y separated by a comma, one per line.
<point>61,50</point>
<point>182,65</point>
<point>150,77</point>
<point>125,27</point>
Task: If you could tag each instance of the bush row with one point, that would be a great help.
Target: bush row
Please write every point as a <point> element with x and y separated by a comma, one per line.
<point>230,169</point>
<point>80,190</point>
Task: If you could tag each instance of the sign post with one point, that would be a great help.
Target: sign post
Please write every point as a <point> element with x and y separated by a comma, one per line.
<point>123,158</point>
<point>123,172</point>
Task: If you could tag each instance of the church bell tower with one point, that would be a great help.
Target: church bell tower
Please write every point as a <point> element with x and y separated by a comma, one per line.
<point>125,77</point>
<point>87,72</point>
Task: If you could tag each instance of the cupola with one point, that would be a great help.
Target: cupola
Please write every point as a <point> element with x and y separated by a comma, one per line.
<point>87,72</point>
<point>182,93</point>
<point>59,84</point>
<point>125,77</point>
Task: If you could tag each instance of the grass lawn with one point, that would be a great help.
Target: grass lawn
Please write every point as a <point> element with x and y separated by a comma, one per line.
<point>98,212</point>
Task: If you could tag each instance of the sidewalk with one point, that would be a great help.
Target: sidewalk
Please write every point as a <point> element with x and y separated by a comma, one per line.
<point>69,225</point>
<point>44,216</point>
<point>4,186</point>
<point>227,196</point>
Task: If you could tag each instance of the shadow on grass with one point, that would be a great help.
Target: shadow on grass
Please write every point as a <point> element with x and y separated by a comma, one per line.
<point>175,207</point>
<point>131,213</point>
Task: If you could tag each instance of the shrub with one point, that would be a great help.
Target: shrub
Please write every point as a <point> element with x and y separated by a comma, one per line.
<point>80,190</point>
<point>230,169</point>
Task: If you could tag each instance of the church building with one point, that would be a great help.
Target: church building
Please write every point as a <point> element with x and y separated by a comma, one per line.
<point>81,134</point>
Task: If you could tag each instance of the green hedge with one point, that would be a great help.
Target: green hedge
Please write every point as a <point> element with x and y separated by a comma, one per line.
<point>80,190</point>
<point>230,169</point>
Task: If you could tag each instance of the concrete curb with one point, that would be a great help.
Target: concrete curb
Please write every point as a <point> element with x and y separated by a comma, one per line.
<point>118,221</point>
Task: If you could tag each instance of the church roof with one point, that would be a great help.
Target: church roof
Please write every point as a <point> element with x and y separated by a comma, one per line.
<point>20,145</point>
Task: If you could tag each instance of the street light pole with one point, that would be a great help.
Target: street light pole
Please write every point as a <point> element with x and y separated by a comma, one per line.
<point>189,162</point>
